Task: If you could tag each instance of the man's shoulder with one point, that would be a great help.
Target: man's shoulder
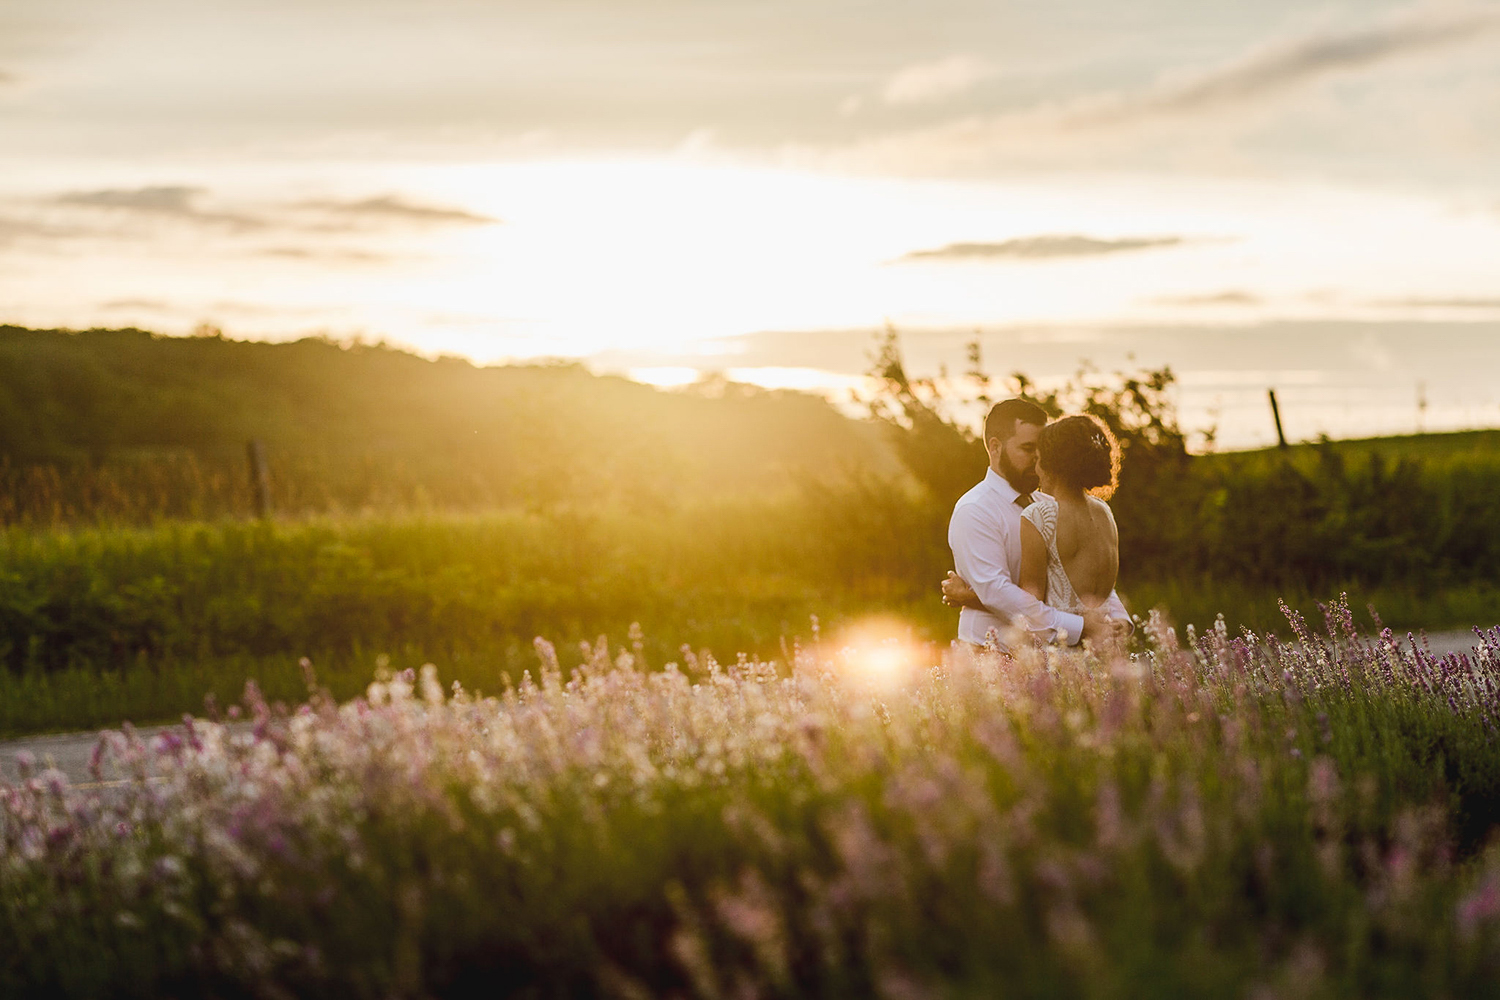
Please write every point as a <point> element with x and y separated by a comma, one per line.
<point>975,505</point>
<point>973,497</point>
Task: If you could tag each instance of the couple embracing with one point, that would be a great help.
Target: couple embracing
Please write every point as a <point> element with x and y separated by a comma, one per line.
<point>1034,543</point>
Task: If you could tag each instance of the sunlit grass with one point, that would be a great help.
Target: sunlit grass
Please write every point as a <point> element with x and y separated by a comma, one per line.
<point>104,624</point>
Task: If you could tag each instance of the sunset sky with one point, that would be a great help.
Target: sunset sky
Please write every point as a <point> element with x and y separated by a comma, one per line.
<point>1303,196</point>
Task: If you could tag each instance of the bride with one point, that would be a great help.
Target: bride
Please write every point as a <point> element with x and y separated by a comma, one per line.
<point>1070,546</point>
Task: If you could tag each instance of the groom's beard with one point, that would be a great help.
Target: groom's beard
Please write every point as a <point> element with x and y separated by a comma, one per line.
<point>1023,480</point>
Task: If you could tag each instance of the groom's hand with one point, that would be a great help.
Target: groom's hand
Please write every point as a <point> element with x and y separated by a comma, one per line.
<point>957,593</point>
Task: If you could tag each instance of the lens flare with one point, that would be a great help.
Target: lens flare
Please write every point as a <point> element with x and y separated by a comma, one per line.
<point>881,653</point>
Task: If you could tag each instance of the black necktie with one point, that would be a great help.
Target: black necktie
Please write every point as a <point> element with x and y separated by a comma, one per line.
<point>1023,500</point>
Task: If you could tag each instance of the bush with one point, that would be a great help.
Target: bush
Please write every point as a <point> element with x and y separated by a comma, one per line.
<point>1307,522</point>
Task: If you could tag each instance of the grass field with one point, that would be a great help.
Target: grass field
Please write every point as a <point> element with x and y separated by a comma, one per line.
<point>1482,445</point>
<point>106,624</point>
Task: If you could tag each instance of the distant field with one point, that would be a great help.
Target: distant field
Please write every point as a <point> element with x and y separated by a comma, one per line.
<point>1404,606</point>
<point>1476,443</point>
<point>1481,444</point>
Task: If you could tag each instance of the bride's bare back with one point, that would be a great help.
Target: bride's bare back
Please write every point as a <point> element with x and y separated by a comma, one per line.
<point>1070,548</point>
<point>1088,545</point>
<point>1070,551</point>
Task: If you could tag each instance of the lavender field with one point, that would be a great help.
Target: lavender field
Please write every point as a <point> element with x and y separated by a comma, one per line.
<point>1211,816</point>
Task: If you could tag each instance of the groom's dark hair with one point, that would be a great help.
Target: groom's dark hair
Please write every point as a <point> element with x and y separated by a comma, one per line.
<point>1003,416</point>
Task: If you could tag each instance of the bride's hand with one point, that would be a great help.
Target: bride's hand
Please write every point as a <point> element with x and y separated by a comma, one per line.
<point>957,593</point>
<point>1105,633</point>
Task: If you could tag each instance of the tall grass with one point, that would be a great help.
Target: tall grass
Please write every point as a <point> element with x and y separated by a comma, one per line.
<point>108,623</point>
<point>1233,817</point>
<point>1200,600</point>
<point>103,624</point>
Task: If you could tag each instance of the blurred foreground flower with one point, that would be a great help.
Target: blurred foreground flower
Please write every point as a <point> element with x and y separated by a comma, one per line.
<point>1219,816</point>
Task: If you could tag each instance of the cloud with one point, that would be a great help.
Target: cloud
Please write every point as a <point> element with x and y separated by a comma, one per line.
<point>1284,65</point>
<point>135,305</point>
<point>182,202</point>
<point>1226,298</point>
<point>12,229</point>
<point>336,255</point>
<point>926,83</point>
<point>1205,95</point>
<point>1441,303</point>
<point>394,208</point>
<point>172,201</point>
<point>1043,248</point>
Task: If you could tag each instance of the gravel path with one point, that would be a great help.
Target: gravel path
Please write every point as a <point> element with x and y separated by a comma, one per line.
<point>70,752</point>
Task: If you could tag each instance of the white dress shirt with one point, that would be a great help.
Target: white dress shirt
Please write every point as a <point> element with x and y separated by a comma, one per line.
<point>985,536</point>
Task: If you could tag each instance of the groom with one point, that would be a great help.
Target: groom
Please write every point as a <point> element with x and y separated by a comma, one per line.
<point>985,535</point>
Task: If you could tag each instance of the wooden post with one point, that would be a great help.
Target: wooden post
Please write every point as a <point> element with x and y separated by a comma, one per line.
<point>260,478</point>
<point>1276,415</point>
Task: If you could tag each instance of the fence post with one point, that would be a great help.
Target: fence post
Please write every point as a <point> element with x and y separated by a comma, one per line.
<point>260,478</point>
<point>1276,415</point>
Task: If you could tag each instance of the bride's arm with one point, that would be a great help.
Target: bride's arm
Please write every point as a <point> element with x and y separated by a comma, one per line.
<point>958,594</point>
<point>1113,607</point>
<point>1033,561</point>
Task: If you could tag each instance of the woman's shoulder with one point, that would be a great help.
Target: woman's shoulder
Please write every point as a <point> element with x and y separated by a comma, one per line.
<point>1041,504</point>
<point>1104,515</point>
<point>1042,511</point>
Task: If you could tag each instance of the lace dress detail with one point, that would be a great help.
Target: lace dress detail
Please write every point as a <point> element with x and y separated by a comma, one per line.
<point>1042,513</point>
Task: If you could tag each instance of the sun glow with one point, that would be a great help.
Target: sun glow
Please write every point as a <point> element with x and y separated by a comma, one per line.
<point>657,257</point>
<point>881,653</point>
<point>645,263</point>
<point>670,267</point>
<point>652,258</point>
<point>648,262</point>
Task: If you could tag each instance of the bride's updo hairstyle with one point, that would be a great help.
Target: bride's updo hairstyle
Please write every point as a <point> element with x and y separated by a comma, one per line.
<point>1082,453</point>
